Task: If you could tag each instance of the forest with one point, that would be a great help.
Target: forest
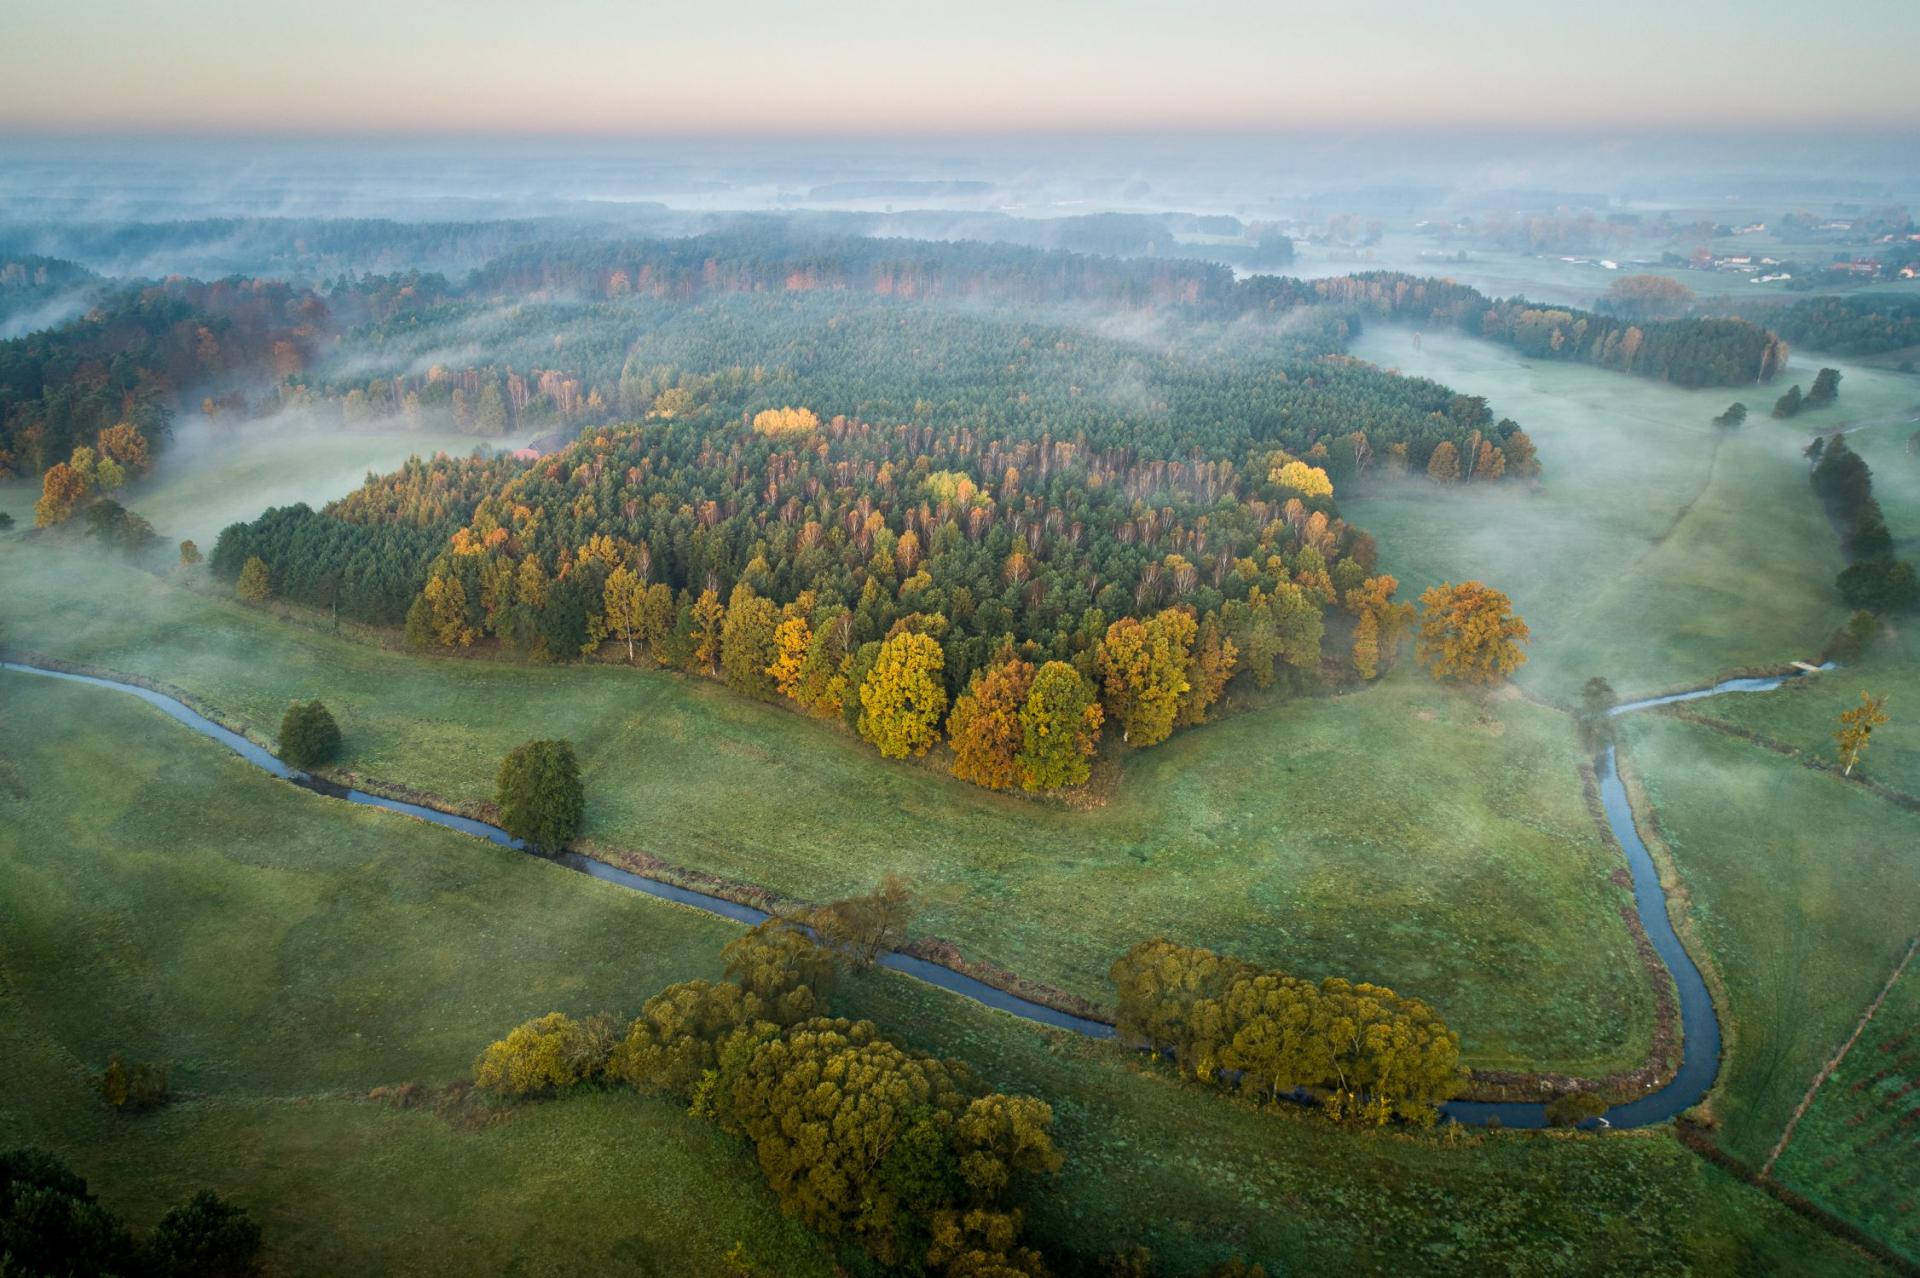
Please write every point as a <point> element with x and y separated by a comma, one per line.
<point>1687,352</point>
<point>1017,520</point>
<point>1869,325</point>
<point>548,333</point>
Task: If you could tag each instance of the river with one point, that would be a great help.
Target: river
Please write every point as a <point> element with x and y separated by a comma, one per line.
<point>1699,1019</point>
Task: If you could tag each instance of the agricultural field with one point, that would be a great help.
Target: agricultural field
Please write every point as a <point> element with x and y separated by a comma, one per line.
<point>1857,1150</point>
<point>1408,834</point>
<point>1803,890</point>
<point>284,954</point>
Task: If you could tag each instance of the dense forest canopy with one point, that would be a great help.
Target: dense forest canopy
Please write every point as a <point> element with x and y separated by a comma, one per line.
<point>142,348</point>
<point>1868,325</point>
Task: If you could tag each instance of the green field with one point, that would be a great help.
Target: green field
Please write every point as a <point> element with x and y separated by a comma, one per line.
<point>1637,558</point>
<point>1857,1150</point>
<point>1392,835</point>
<point>283,953</point>
<point>1804,889</point>
<point>1806,716</point>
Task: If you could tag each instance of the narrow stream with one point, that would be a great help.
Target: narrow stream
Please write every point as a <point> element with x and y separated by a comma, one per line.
<point>1700,1023</point>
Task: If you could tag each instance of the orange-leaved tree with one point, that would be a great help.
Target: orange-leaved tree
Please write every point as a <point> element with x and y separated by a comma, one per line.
<point>1470,632</point>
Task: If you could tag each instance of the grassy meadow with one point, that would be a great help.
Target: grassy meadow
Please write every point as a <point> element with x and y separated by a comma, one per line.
<point>1857,1150</point>
<point>1806,717</point>
<point>1804,890</point>
<point>1405,835</point>
<point>284,953</point>
<point>1638,558</point>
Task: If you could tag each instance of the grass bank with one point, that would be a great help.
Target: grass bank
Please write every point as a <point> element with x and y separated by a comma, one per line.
<point>1407,835</point>
<point>283,953</point>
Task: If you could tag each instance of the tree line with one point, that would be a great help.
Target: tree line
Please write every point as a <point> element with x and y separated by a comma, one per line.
<point>1690,352</point>
<point>1874,579</point>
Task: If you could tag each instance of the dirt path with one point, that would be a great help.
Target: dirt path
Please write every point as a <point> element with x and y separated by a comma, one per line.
<point>1866,1018</point>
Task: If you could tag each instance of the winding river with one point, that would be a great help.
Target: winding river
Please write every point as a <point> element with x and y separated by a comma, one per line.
<point>1700,1022</point>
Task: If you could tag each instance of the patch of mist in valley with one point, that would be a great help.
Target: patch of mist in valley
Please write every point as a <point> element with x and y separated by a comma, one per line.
<point>214,473</point>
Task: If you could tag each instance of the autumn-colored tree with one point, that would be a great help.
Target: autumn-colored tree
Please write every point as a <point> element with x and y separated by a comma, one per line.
<point>985,729</point>
<point>747,643</point>
<point>1302,478</point>
<point>450,620</point>
<point>791,639</point>
<point>541,1055</point>
<point>1209,667</point>
<point>624,604</point>
<point>1059,729</point>
<point>1523,460</point>
<point>1856,729</point>
<point>1144,666</point>
<point>1489,463</point>
<point>1366,645</point>
<point>189,554</point>
<point>902,698</point>
<point>786,421</point>
<point>1444,466</point>
<point>862,928</point>
<point>708,615</point>
<point>680,1032</point>
<point>1380,623</point>
<point>824,1105</point>
<point>1469,632</point>
<point>780,964</point>
<point>127,447</point>
<point>62,489</point>
<point>254,584</point>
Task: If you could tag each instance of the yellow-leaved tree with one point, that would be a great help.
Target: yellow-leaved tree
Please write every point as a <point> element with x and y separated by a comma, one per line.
<point>1300,477</point>
<point>1469,632</point>
<point>903,697</point>
<point>1856,729</point>
<point>1144,667</point>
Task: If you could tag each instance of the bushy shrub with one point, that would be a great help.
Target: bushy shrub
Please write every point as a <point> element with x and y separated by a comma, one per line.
<point>547,1054</point>
<point>308,735</point>
<point>205,1237</point>
<point>539,793</point>
<point>132,1088</point>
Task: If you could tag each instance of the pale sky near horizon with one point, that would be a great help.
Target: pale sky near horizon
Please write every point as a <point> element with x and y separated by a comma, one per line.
<point>589,66</point>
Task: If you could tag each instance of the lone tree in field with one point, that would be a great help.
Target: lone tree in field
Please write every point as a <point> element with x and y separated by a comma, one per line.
<point>189,553</point>
<point>308,735</point>
<point>1826,388</point>
<point>254,585</point>
<point>1735,415</point>
<point>1469,632</point>
<point>1856,729</point>
<point>539,793</point>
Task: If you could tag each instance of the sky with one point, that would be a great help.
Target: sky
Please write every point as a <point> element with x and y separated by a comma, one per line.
<point>622,67</point>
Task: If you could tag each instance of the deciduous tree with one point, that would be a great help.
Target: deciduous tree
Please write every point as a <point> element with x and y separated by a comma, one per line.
<point>902,698</point>
<point>1856,729</point>
<point>1469,632</point>
<point>254,586</point>
<point>1144,666</point>
<point>1059,729</point>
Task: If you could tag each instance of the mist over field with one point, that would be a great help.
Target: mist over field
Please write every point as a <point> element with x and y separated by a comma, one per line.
<point>993,641</point>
